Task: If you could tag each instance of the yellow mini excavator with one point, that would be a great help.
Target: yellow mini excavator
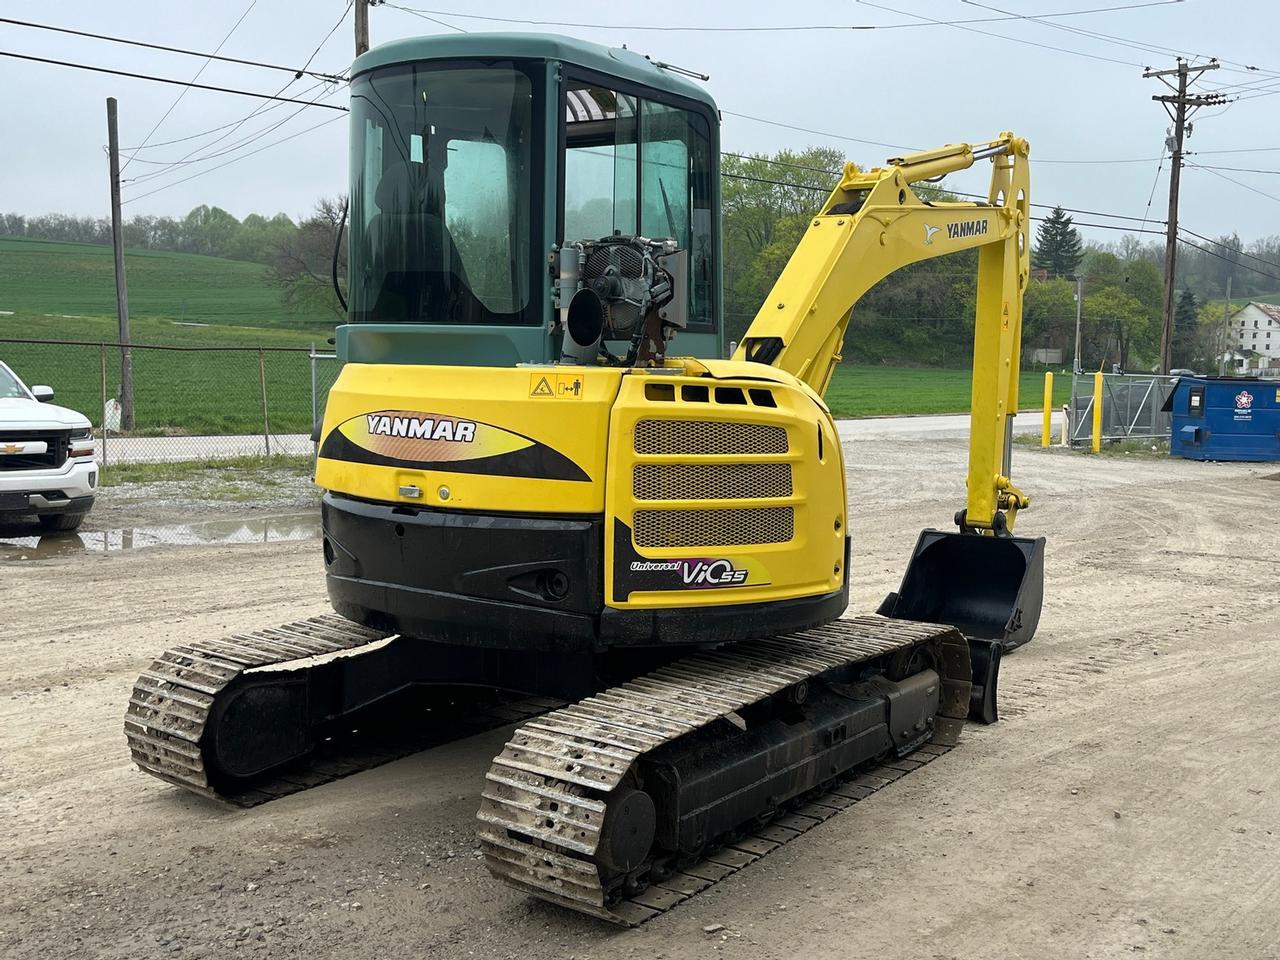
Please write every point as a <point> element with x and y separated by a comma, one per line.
<point>526,489</point>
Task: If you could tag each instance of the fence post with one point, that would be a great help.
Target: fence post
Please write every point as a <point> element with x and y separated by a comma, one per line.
<point>1047,436</point>
<point>1097,413</point>
<point>312,355</point>
<point>262,383</point>
<point>102,382</point>
<point>1066,425</point>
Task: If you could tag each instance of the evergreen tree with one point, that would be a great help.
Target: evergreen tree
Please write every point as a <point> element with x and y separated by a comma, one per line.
<point>1058,246</point>
<point>1186,317</point>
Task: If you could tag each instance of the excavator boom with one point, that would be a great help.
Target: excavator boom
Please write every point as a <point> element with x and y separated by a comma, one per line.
<point>874,223</point>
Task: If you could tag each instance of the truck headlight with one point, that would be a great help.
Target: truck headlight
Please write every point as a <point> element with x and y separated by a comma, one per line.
<point>82,442</point>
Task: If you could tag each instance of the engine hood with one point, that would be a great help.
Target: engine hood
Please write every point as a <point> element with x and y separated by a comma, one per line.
<point>23,414</point>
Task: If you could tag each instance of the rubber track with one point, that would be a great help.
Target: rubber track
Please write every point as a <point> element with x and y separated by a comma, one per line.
<point>169,709</point>
<point>546,794</point>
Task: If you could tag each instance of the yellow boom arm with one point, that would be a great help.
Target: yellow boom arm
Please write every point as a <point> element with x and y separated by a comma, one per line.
<point>874,223</point>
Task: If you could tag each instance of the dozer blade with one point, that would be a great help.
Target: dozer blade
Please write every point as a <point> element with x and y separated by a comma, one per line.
<point>987,587</point>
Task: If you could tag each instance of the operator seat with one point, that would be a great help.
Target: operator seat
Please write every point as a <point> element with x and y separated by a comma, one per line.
<point>409,244</point>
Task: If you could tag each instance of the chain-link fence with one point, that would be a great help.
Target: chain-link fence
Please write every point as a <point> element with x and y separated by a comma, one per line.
<point>188,403</point>
<point>1131,407</point>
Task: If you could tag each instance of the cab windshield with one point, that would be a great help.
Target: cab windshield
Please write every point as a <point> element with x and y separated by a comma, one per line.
<point>442,166</point>
<point>10,388</point>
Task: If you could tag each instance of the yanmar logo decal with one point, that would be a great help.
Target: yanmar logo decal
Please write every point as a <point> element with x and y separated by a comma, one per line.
<point>438,441</point>
<point>928,234</point>
<point>421,428</point>
<point>696,573</point>
<point>967,228</point>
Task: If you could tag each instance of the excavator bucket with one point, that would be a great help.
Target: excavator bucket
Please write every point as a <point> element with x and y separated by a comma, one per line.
<point>987,587</point>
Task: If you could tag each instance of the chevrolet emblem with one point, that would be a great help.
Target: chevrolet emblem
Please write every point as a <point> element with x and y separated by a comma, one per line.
<point>11,448</point>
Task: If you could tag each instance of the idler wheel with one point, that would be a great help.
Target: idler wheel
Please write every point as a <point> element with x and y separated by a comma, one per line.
<point>630,822</point>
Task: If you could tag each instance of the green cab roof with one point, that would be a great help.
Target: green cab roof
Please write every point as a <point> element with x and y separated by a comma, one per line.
<point>616,61</point>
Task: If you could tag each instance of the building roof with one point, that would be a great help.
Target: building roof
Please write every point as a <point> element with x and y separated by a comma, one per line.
<point>1270,309</point>
<point>616,61</point>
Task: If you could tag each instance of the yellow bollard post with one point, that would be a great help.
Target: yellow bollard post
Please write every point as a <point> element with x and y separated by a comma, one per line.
<point>1097,413</point>
<point>1047,436</point>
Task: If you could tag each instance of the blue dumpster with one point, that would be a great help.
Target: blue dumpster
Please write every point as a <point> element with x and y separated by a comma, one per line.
<point>1225,418</point>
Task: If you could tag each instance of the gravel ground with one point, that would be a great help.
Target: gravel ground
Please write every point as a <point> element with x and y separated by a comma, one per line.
<point>1126,804</point>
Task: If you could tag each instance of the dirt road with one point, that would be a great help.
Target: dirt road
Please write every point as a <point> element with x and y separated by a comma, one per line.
<point>1128,803</point>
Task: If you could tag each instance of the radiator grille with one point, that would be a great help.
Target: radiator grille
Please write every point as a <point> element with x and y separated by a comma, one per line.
<point>708,437</point>
<point>714,528</point>
<point>710,481</point>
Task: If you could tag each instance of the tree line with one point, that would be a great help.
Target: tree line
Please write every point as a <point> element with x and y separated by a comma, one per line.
<point>920,315</point>
<point>923,313</point>
<point>297,254</point>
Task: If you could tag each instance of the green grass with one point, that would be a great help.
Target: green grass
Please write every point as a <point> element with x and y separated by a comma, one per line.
<point>234,470</point>
<point>78,279</point>
<point>889,391</point>
<point>65,291</point>
<point>175,392</point>
<point>1149,449</point>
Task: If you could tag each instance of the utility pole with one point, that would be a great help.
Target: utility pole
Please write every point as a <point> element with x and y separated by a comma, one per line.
<point>1227,345</point>
<point>122,292</point>
<point>362,26</point>
<point>1179,106</point>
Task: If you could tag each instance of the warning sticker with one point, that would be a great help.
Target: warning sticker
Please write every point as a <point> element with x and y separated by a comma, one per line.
<point>547,386</point>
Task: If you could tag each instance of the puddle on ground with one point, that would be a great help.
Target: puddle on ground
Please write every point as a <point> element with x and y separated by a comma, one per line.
<point>296,526</point>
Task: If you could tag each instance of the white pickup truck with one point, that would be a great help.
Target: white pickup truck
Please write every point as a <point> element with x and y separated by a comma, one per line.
<point>48,463</point>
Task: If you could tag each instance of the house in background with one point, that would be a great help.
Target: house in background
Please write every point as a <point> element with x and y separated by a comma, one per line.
<point>1255,329</point>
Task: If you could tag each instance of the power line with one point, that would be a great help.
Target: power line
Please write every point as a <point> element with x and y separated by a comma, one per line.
<point>1205,153</point>
<point>160,46</point>
<point>1223,176</point>
<point>170,165</point>
<point>258,110</point>
<point>1138,45</point>
<point>426,15</point>
<point>243,156</point>
<point>1152,195</point>
<point>959,193</point>
<point>1239,253</point>
<point>180,83</point>
<point>183,92</point>
<point>1128,160</point>
<point>1209,166</point>
<point>1001,36</point>
<point>1237,263</point>
<point>780,28</point>
<point>824,190</point>
<point>332,30</point>
<point>816,133</point>
<point>204,133</point>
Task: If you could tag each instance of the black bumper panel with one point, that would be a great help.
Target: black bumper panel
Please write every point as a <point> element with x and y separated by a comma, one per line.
<point>473,579</point>
<point>515,583</point>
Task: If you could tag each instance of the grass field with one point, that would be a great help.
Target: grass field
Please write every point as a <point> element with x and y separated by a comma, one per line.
<point>66,291</point>
<point>887,391</point>
<point>45,277</point>
<point>175,392</point>
<point>216,392</point>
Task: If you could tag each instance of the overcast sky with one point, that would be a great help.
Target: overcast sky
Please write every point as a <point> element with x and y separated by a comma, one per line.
<point>918,86</point>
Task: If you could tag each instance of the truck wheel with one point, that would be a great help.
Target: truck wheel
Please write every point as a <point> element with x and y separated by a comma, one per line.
<point>60,522</point>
